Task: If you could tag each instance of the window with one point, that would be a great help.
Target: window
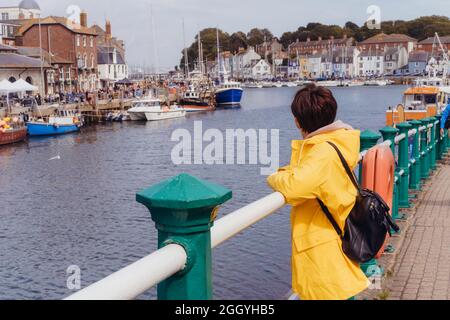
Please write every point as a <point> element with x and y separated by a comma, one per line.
<point>5,16</point>
<point>85,61</point>
<point>92,61</point>
<point>61,74</point>
<point>84,41</point>
<point>68,73</point>
<point>78,40</point>
<point>92,41</point>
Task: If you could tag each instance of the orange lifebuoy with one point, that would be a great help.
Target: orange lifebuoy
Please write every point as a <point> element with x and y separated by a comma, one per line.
<point>378,175</point>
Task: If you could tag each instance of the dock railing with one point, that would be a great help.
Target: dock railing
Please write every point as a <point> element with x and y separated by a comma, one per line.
<point>184,209</point>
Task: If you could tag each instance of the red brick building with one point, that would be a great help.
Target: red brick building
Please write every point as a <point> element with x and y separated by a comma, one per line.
<point>76,43</point>
<point>427,44</point>
<point>309,46</point>
<point>383,41</point>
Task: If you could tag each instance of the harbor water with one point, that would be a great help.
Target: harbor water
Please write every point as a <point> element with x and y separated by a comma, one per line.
<point>70,200</point>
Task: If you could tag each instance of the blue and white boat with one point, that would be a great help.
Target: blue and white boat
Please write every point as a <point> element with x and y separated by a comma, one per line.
<point>229,93</point>
<point>62,123</point>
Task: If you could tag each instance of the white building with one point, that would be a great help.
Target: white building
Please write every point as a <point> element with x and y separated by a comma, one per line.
<point>371,63</point>
<point>394,59</point>
<point>244,59</point>
<point>258,70</point>
<point>111,65</point>
<point>345,62</point>
<point>27,9</point>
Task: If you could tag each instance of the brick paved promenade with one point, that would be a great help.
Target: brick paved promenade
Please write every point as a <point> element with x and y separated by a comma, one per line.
<point>422,270</point>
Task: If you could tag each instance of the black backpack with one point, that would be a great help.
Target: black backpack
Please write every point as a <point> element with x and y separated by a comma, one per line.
<point>368,223</point>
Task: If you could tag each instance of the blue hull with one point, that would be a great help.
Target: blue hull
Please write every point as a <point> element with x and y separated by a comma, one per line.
<point>45,129</point>
<point>229,97</point>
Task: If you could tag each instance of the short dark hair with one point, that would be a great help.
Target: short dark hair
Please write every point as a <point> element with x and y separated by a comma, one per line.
<point>314,108</point>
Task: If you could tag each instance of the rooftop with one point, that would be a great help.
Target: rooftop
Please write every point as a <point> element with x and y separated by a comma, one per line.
<point>74,27</point>
<point>14,60</point>
<point>388,38</point>
<point>430,40</point>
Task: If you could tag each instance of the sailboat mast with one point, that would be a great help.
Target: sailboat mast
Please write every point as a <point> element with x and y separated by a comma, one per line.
<point>200,62</point>
<point>186,61</point>
<point>218,53</point>
<point>42,59</point>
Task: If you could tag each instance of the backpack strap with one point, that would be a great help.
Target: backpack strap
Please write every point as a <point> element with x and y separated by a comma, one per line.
<point>355,183</point>
<point>350,173</point>
<point>330,218</point>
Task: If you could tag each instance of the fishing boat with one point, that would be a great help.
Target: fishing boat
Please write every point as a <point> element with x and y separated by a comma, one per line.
<point>376,83</point>
<point>192,102</point>
<point>228,93</point>
<point>11,133</point>
<point>63,122</point>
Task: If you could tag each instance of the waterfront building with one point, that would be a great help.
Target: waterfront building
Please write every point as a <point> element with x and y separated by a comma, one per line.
<point>242,59</point>
<point>258,70</point>
<point>371,63</point>
<point>69,40</point>
<point>111,60</point>
<point>309,46</point>
<point>314,65</point>
<point>14,66</point>
<point>58,78</point>
<point>427,44</point>
<point>345,62</point>
<point>418,61</point>
<point>395,58</point>
<point>382,41</point>
<point>111,66</point>
<point>272,47</point>
<point>26,9</point>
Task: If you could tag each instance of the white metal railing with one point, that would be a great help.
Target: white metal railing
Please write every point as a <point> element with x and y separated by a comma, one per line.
<point>139,277</point>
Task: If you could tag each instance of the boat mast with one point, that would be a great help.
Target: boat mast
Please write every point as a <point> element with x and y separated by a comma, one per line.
<point>218,53</point>
<point>445,57</point>
<point>41,58</point>
<point>200,59</point>
<point>186,61</point>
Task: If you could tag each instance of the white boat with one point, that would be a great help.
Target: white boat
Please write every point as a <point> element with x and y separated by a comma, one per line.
<point>329,83</point>
<point>164,113</point>
<point>376,83</point>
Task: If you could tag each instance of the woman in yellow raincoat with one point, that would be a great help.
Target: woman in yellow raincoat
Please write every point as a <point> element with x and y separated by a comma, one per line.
<point>320,269</point>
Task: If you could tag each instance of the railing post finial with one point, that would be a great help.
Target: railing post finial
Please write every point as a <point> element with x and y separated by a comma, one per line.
<point>184,209</point>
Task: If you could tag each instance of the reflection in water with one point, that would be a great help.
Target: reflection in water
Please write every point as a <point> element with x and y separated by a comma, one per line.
<point>81,209</point>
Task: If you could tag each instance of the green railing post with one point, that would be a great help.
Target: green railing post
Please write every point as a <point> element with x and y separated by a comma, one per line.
<point>389,133</point>
<point>184,209</point>
<point>438,138</point>
<point>403,165</point>
<point>433,151</point>
<point>414,183</point>
<point>424,164</point>
<point>369,139</point>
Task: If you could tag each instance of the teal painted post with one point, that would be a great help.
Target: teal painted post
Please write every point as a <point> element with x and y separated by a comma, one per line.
<point>414,183</point>
<point>389,133</point>
<point>403,165</point>
<point>424,151</point>
<point>433,150</point>
<point>184,209</point>
<point>438,138</point>
<point>369,139</point>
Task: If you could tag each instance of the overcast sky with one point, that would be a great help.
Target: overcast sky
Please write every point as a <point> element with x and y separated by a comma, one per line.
<point>131,18</point>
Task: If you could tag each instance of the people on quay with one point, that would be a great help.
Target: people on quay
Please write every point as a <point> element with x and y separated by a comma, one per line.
<point>320,269</point>
<point>445,120</point>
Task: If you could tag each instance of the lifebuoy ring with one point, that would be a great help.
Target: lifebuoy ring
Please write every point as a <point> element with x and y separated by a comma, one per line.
<point>378,175</point>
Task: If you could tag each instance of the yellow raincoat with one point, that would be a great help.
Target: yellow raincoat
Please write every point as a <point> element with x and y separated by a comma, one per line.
<point>320,269</point>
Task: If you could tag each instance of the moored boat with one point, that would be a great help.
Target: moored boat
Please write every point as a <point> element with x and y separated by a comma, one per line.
<point>11,133</point>
<point>229,93</point>
<point>192,102</point>
<point>165,113</point>
<point>64,122</point>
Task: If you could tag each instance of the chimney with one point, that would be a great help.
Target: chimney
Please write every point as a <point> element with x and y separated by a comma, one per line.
<point>83,19</point>
<point>108,33</point>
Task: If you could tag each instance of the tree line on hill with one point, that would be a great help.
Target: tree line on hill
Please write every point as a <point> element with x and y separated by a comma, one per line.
<point>420,29</point>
